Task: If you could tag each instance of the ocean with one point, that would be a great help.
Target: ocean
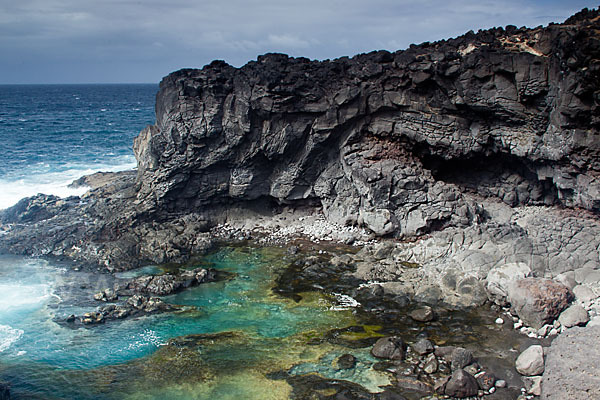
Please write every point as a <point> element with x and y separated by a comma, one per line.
<point>54,134</point>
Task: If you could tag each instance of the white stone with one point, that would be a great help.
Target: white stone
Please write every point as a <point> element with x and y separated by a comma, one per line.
<point>499,321</point>
<point>533,385</point>
<point>531,361</point>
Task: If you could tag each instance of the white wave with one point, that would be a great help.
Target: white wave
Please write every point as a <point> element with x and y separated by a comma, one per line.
<point>16,296</point>
<point>144,339</point>
<point>8,336</point>
<point>54,182</point>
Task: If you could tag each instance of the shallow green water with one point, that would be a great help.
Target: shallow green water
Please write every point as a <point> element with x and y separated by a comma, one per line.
<point>242,333</point>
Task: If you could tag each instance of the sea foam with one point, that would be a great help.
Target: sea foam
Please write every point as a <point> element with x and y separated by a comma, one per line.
<point>54,182</point>
<point>8,336</point>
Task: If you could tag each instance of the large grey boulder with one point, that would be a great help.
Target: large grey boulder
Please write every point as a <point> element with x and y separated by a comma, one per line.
<point>501,277</point>
<point>538,301</point>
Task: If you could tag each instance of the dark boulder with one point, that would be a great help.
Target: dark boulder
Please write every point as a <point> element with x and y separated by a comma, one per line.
<point>461,385</point>
<point>392,348</point>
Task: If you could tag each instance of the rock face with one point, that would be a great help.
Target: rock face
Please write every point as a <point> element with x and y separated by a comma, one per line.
<point>388,140</point>
<point>573,366</point>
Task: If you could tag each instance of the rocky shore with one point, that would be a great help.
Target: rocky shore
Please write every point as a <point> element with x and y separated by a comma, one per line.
<point>456,173</point>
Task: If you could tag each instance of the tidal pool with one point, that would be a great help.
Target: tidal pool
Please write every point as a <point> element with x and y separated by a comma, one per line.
<point>232,339</point>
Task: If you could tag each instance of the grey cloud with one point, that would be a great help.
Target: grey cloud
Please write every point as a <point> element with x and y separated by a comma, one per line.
<point>127,40</point>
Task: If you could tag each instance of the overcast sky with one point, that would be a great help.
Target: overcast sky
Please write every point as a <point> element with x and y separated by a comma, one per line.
<point>77,41</point>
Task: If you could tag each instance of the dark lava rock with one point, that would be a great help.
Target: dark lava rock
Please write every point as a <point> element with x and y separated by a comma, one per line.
<point>392,348</point>
<point>349,136</point>
<point>413,384</point>
<point>346,361</point>
<point>389,394</point>
<point>461,385</point>
<point>460,358</point>
<point>423,346</point>
<point>422,314</point>
<point>162,285</point>
<point>486,380</point>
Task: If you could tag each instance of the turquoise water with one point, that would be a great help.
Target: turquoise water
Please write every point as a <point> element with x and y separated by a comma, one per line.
<point>253,332</point>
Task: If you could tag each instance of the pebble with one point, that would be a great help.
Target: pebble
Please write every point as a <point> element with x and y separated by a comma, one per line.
<point>499,321</point>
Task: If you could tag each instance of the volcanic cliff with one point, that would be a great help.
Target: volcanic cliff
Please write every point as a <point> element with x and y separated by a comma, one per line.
<point>390,141</point>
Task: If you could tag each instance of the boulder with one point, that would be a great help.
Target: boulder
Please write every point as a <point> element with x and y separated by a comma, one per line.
<point>572,369</point>
<point>422,347</point>
<point>500,278</point>
<point>413,384</point>
<point>422,314</point>
<point>531,361</point>
<point>573,316</point>
<point>486,380</point>
<point>460,358</point>
<point>538,301</point>
<point>431,364</point>
<point>533,385</point>
<point>461,385</point>
<point>584,293</point>
<point>392,348</point>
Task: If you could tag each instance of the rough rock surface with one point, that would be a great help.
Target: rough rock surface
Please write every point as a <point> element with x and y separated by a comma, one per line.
<point>573,366</point>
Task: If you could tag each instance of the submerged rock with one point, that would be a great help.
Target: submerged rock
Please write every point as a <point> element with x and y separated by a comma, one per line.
<point>346,361</point>
<point>422,314</point>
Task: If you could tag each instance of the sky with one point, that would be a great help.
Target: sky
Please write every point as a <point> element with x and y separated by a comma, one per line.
<point>135,41</point>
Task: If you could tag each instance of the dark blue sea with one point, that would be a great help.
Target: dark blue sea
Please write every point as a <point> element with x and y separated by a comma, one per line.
<point>53,134</point>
